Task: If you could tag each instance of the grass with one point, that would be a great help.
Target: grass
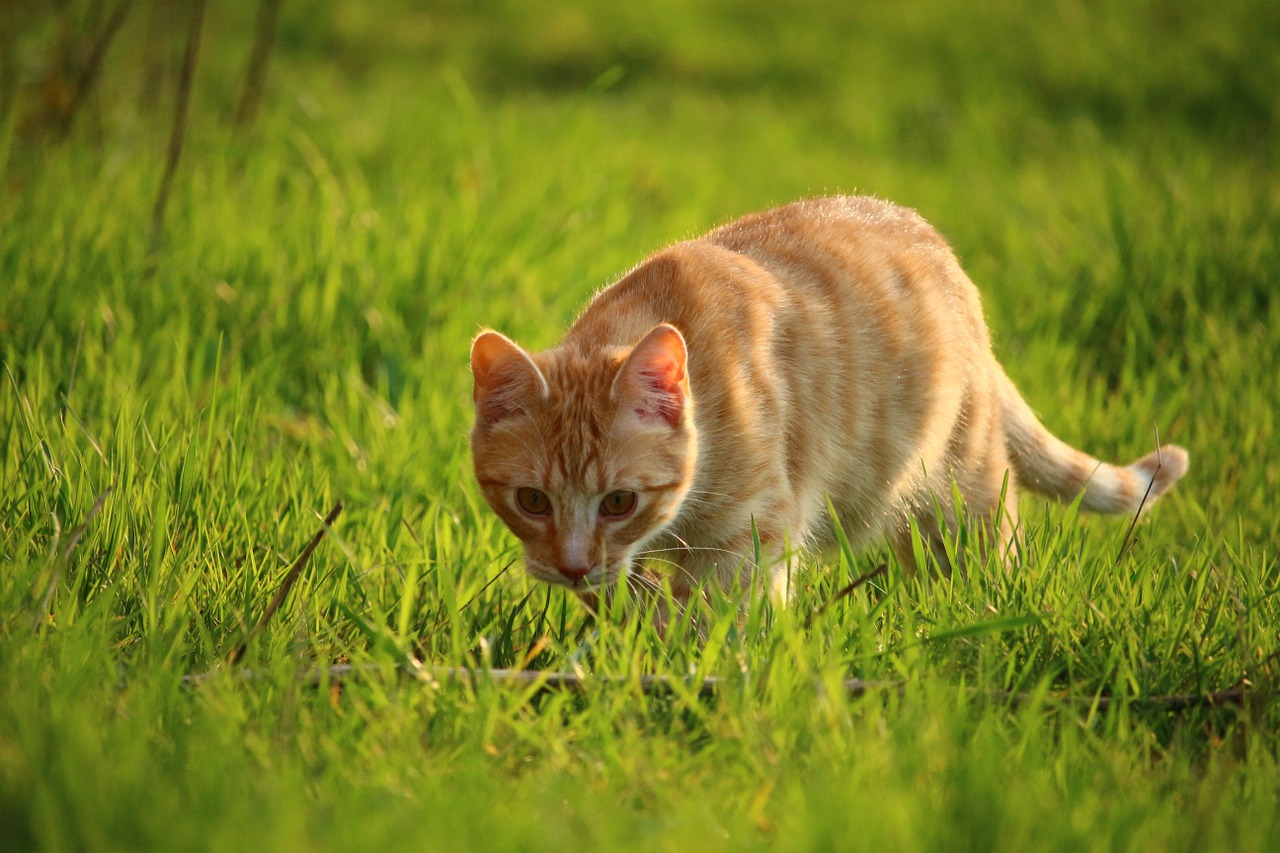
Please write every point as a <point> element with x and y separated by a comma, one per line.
<point>1109,177</point>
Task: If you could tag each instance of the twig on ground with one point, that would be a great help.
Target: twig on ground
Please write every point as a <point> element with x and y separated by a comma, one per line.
<point>878,570</point>
<point>287,584</point>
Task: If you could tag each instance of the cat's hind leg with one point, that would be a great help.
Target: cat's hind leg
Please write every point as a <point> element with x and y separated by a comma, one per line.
<point>991,501</point>
<point>913,547</point>
<point>987,514</point>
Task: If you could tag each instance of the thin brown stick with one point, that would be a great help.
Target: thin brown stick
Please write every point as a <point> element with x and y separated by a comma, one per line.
<point>92,70</point>
<point>812,617</point>
<point>263,39</point>
<point>1124,545</point>
<point>412,532</point>
<point>290,578</point>
<point>180,112</point>
<point>61,565</point>
<point>160,23</point>
<point>78,533</point>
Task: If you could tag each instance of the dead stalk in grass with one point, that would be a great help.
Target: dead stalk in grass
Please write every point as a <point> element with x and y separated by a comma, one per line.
<point>1124,545</point>
<point>264,36</point>
<point>290,578</point>
<point>878,570</point>
<point>179,132</point>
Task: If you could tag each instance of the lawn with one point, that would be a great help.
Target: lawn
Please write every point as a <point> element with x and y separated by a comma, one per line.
<point>185,397</point>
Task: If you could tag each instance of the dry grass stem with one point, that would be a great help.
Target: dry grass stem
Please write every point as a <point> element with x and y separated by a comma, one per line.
<point>295,571</point>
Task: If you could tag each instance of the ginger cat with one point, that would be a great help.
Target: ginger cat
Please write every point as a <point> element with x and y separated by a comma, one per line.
<point>831,348</point>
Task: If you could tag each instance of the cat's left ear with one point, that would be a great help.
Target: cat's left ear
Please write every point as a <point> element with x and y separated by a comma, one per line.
<point>506,378</point>
<point>653,383</point>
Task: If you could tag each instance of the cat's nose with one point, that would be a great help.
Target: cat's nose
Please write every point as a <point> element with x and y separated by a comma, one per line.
<point>575,572</point>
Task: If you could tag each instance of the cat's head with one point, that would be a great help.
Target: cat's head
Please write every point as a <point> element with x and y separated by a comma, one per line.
<point>585,455</point>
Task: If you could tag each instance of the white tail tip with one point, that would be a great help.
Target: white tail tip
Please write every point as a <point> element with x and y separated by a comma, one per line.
<point>1160,469</point>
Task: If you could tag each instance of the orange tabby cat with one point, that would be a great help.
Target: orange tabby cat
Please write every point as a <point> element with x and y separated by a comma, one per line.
<point>829,349</point>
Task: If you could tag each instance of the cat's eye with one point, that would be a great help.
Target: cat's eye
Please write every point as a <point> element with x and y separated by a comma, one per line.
<point>533,501</point>
<point>617,504</point>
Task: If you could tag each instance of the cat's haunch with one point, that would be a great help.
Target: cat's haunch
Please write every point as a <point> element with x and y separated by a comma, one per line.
<point>828,349</point>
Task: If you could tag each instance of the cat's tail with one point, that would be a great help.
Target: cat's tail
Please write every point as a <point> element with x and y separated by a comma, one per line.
<point>1046,464</point>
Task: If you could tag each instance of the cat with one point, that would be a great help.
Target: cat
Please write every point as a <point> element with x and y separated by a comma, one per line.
<point>710,403</point>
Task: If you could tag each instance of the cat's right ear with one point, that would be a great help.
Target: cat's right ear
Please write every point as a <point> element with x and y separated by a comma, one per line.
<point>506,379</point>
<point>653,382</point>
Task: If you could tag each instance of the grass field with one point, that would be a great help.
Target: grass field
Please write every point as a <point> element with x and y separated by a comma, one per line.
<point>178,414</point>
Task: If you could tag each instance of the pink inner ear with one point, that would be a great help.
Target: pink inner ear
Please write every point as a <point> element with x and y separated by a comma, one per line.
<point>655,372</point>
<point>661,397</point>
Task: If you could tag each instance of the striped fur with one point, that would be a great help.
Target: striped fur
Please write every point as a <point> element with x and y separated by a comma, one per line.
<point>829,349</point>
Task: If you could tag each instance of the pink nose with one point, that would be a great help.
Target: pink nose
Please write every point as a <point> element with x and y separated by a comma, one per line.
<point>574,573</point>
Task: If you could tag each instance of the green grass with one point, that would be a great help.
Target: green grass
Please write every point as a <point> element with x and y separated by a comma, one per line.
<point>1108,175</point>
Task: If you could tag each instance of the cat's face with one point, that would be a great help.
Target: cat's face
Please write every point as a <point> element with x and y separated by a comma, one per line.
<point>584,456</point>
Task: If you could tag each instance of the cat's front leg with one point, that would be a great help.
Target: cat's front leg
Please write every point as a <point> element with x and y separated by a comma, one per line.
<point>733,565</point>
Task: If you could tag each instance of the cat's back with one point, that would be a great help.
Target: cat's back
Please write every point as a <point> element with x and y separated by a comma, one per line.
<point>862,257</point>
<point>829,254</point>
<point>882,249</point>
<point>831,278</point>
<point>865,219</point>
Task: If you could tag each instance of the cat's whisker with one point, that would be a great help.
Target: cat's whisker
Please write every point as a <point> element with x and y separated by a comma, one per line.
<point>664,562</point>
<point>700,549</point>
<point>646,582</point>
<point>706,492</point>
<point>682,542</point>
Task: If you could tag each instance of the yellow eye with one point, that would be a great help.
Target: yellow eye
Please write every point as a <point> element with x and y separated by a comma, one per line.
<point>618,504</point>
<point>533,501</point>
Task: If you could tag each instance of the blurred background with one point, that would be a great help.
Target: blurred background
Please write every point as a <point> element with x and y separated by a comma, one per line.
<point>342,193</point>
<point>686,113</point>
